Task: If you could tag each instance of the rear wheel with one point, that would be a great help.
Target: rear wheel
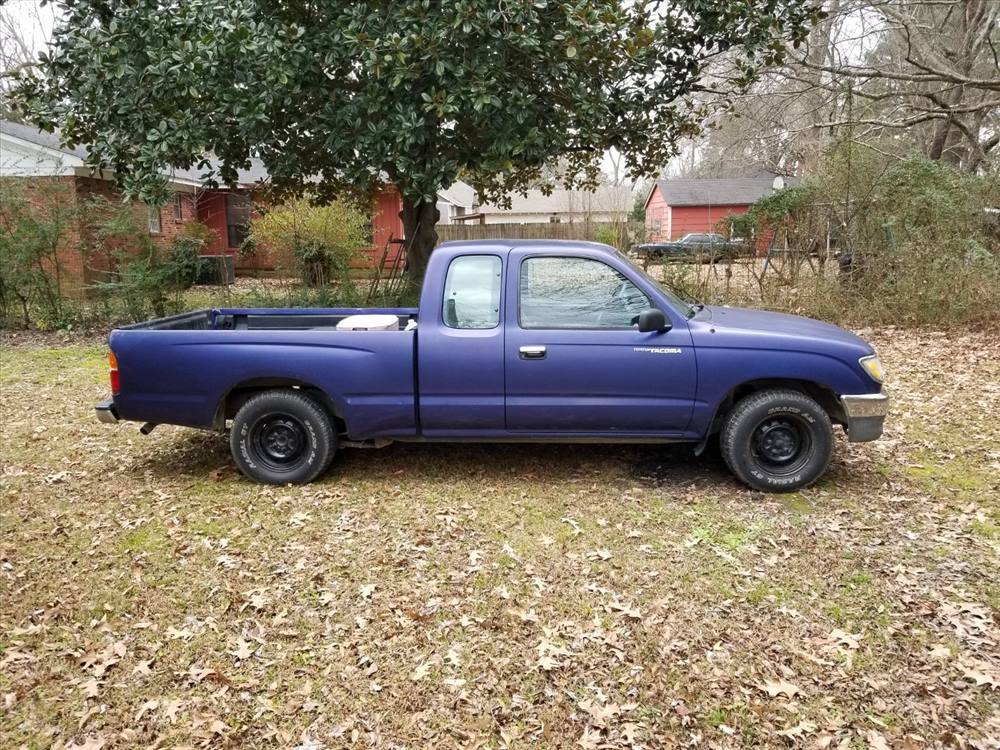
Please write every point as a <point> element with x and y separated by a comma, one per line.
<point>777,440</point>
<point>282,437</point>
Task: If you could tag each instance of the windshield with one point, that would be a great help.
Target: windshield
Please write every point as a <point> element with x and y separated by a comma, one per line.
<point>679,305</point>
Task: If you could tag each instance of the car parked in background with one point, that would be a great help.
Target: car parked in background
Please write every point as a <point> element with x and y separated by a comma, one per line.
<point>703,246</point>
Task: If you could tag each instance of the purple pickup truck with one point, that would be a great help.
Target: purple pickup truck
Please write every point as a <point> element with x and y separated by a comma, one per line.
<point>513,341</point>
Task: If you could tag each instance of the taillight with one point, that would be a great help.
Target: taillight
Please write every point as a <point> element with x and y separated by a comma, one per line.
<point>116,385</point>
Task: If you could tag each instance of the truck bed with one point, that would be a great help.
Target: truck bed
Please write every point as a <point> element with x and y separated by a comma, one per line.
<point>181,369</point>
<point>265,319</point>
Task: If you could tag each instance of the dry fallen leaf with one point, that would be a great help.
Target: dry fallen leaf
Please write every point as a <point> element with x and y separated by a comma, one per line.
<point>243,651</point>
<point>169,709</point>
<point>940,651</point>
<point>876,741</point>
<point>91,688</point>
<point>146,708</point>
<point>774,688</point>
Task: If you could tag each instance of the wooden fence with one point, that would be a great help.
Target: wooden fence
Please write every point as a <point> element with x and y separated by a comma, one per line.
<point>614,233</point>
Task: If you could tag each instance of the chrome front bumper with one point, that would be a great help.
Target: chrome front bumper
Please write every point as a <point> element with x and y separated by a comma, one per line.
<point>865,414</point>
<point>106,412</point>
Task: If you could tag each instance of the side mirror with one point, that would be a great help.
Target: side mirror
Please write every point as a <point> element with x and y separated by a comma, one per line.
<point>652,320</point>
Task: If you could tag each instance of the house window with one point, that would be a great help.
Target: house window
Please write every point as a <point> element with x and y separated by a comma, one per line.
<point>237,218</point>
<point>178,207</point>
<point>153,219</point>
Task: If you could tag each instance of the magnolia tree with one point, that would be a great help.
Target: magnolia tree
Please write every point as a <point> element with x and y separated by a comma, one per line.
<point>346,96</point>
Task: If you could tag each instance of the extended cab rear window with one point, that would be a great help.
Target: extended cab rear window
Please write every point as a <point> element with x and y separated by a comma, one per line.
<point>472,292</point>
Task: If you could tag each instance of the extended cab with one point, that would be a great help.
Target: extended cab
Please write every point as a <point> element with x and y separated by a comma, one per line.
<point>512,341</point>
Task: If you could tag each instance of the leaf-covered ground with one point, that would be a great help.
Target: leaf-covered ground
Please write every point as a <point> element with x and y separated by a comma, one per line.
<point>491,596</point>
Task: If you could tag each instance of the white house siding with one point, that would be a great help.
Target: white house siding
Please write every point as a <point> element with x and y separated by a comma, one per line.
<point>597,217</point>
<point>18,159</point>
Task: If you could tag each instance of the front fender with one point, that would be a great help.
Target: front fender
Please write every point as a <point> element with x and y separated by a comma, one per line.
<point>722,371</point>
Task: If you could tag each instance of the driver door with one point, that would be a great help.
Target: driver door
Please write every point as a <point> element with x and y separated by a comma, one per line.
<point>575,362</point>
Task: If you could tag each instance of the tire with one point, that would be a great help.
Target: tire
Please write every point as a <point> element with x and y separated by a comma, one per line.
<point>282,437</point>
<point>777,440</point>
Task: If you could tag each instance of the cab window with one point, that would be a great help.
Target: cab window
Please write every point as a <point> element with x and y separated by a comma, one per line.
<point>472,292</point>
<point>576,293</point>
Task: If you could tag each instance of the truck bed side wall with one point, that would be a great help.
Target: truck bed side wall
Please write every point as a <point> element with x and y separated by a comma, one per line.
<point>181,377</point>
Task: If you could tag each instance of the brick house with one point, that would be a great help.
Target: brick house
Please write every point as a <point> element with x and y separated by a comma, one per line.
<point>677,207</point>
<point>51,169</point>
<point>29,154</point>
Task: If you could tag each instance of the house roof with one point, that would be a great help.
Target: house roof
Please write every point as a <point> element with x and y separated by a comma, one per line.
<point>460,194</point>
<point>51,143</point>
<point>38,137</point>
<point>606,198</point>
<point>723,192</point>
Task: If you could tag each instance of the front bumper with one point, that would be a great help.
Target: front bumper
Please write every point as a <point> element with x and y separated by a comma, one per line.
<point>106,412</point>
<point>865,413</point>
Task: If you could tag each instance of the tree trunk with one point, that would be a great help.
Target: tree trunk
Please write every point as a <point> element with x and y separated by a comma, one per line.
<point>419,220</point>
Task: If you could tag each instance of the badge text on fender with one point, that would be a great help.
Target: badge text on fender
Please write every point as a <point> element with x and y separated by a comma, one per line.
<point>657,349</point>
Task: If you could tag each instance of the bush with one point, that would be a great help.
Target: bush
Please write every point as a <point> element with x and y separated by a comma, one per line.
<point>143,279</point>
<point>184,262</point>
<point>36,223</point>
<point>314,242</point>
<point>867,241</point>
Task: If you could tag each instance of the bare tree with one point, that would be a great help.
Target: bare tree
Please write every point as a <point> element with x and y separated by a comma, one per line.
<point>899,76</point>
<point>25,31</point>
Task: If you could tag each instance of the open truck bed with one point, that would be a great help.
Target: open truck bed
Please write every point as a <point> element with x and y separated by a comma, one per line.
<point>193,369</point>
<point>265,319</point>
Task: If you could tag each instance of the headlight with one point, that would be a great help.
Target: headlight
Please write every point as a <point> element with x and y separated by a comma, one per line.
<point>873,366</point>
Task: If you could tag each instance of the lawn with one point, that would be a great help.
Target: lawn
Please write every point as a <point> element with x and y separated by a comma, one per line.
<point>499,596</point>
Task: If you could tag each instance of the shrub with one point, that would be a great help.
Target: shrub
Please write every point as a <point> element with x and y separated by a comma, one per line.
<point>316,242</point>
<point>143,279</point>
<point>913,238</point>
<point>36,223</point>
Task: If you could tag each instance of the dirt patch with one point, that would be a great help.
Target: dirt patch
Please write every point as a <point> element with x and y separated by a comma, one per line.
<point>519,596</point>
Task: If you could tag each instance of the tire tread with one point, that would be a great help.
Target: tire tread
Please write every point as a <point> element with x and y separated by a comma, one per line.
<point>740,412</point>
<point>321,419</point>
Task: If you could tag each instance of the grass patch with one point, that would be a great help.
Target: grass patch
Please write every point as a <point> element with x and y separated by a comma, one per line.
<point>523,595</point>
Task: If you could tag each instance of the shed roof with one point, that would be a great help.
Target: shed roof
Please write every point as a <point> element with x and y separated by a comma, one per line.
<point>723,192</point>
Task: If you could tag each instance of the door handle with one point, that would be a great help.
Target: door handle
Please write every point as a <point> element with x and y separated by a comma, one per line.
<point>532,352</point>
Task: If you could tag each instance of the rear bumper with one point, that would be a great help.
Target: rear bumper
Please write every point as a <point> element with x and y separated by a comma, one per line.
<point>106,412</point>
<point>866,414</point>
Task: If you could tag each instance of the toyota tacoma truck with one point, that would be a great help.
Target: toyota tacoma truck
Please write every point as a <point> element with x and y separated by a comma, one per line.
<point>512,341</point>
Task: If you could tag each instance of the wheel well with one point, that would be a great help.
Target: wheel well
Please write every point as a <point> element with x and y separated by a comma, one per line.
<point>243,392</point>
<point>820,393</point>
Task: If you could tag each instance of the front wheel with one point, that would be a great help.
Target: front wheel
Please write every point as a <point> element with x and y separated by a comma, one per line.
<point>282,437</point>
<point>777,440</point>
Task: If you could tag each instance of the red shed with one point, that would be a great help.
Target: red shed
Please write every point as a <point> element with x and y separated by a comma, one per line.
<point>676,207</point>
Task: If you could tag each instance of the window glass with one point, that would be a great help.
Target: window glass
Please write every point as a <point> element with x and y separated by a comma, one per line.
<point>237,218</point>
<point>576,293</point>
<point>472,292</point>
<point>178,206</point>
<point>153,218</point>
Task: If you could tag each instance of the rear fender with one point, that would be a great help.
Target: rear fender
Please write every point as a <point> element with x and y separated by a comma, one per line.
<point>240,393</point>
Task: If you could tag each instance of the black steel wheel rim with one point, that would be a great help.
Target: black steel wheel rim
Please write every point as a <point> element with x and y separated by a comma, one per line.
<point>279,441</point>
<point>782,444</point>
